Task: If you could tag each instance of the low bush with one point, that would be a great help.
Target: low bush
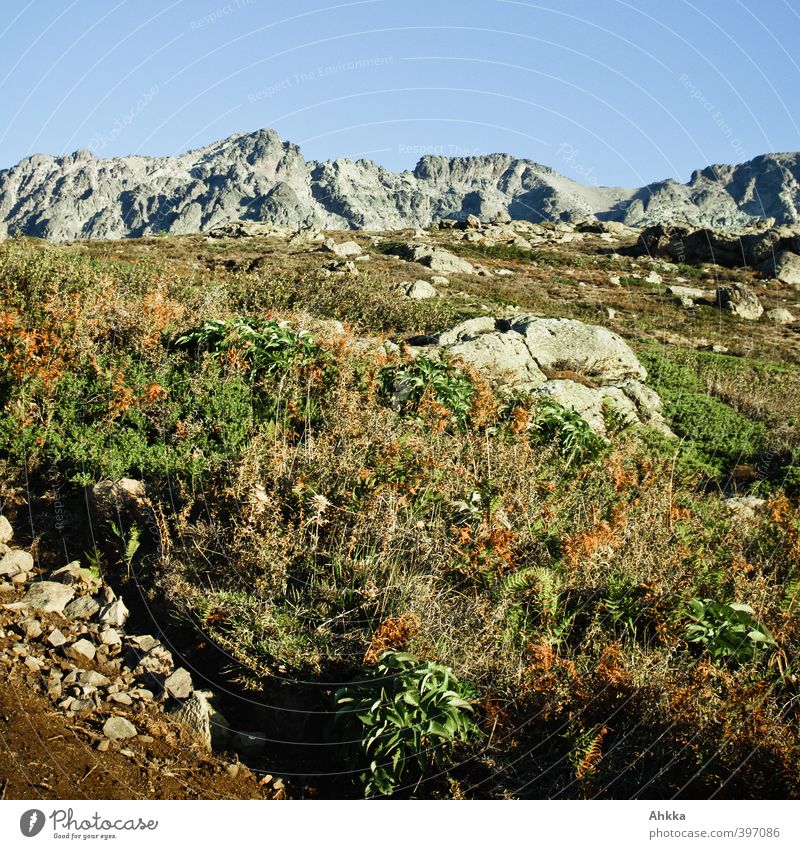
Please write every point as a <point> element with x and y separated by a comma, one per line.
<point>406,717</point>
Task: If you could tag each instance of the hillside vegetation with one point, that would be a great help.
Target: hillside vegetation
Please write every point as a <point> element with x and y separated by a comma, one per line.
<point>446,592</point>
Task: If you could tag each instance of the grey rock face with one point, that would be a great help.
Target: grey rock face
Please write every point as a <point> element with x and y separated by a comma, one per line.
<point>580,366</point>
<point>256,178</point>
<point>6,531</point>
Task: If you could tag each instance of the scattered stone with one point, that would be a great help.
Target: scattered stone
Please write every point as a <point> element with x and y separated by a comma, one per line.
<point>6,531</point>
<point>102,745</point>
<point>45,596</point>
<point>56,638</point>
<point>120,698</point>
<point>31,628</point>
<point>119,728</point>
<point>16,562</point>
<point>688,296</point>
<point>82,704</point>
<point>740,300</point>
<point>343,250</point>
<point>81,650</point>
<point>417,290</point>
<point>437,280</point>
<point>81,608</point>
<point>653,277</point>
<point>92,678</point>
<point>110,637</point>
<point>113,613</point>
<point>779,316</point>
<point>436,259</point>
<point>179,684</point>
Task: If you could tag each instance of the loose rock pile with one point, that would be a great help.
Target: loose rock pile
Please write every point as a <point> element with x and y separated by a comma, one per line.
<point>64,631</point>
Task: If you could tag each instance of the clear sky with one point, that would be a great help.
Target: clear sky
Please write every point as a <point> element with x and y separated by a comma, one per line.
<point>610,92</point>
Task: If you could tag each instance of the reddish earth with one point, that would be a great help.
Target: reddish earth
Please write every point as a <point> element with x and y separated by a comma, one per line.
<point>47,755</point>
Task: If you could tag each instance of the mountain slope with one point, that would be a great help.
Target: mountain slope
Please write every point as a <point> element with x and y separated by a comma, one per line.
<point>257,176</point>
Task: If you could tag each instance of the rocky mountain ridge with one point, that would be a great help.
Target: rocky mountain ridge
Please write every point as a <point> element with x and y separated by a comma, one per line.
<point>259,177</point>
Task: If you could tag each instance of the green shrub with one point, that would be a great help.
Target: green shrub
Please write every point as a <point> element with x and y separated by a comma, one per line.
<point>727,631</point>
<point>577,441</point>
<point>267,346</point>
<point>408,711</point>
<point>405,385</point>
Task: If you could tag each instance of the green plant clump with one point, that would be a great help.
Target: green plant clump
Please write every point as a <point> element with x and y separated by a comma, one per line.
<point>406,384</point>
<point>577,441</point>
<point>409,711</point>
<point>728,631</point>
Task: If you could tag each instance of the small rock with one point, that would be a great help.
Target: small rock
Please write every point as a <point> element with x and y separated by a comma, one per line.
<point>179,684</point>
<point>83,607</point>
<point>103,745</point>
<point>119,728</point>
<point>81,650</point>
<point>128,753</point>
<point>31,628</point>
<point>120,698</point>
<point>90,677</point>
<point>653,277</point>
<point>110,637</point>
<point>417,290</point>
<point>33,663</point>
<point>16,562</point>
<point>142,693</point>
<point>779,316</point>
<point>82,704</point>
<point>46,596</point>
<point>56,638</point>
<point>20,578</point>
<point>345,249</point>
<point>615,281</point>
<point>114,613</point>
<point>6,531</point>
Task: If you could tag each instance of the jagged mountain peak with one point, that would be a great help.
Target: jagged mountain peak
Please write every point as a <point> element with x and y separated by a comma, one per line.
<point>258,175</point>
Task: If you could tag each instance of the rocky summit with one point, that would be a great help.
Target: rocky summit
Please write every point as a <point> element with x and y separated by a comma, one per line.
<point>257,177</point>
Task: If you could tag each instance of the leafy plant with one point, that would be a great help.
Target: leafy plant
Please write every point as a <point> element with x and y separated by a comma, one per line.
<point>405,386</point>
<point>727,630</point>
<point>409,711</point>
<point>266,346</point>
<point>129,546</point>
<point>577,441</point>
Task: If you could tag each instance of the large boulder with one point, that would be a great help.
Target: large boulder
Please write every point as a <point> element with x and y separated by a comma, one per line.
<point>583,367</point>
<point>787,269</point>
<point>437,259</point>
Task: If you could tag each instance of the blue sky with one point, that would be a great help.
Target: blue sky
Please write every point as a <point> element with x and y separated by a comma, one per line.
<point>610,92</point>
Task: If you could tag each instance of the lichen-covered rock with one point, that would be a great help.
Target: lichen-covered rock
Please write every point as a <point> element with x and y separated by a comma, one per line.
<point>739,300</point>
